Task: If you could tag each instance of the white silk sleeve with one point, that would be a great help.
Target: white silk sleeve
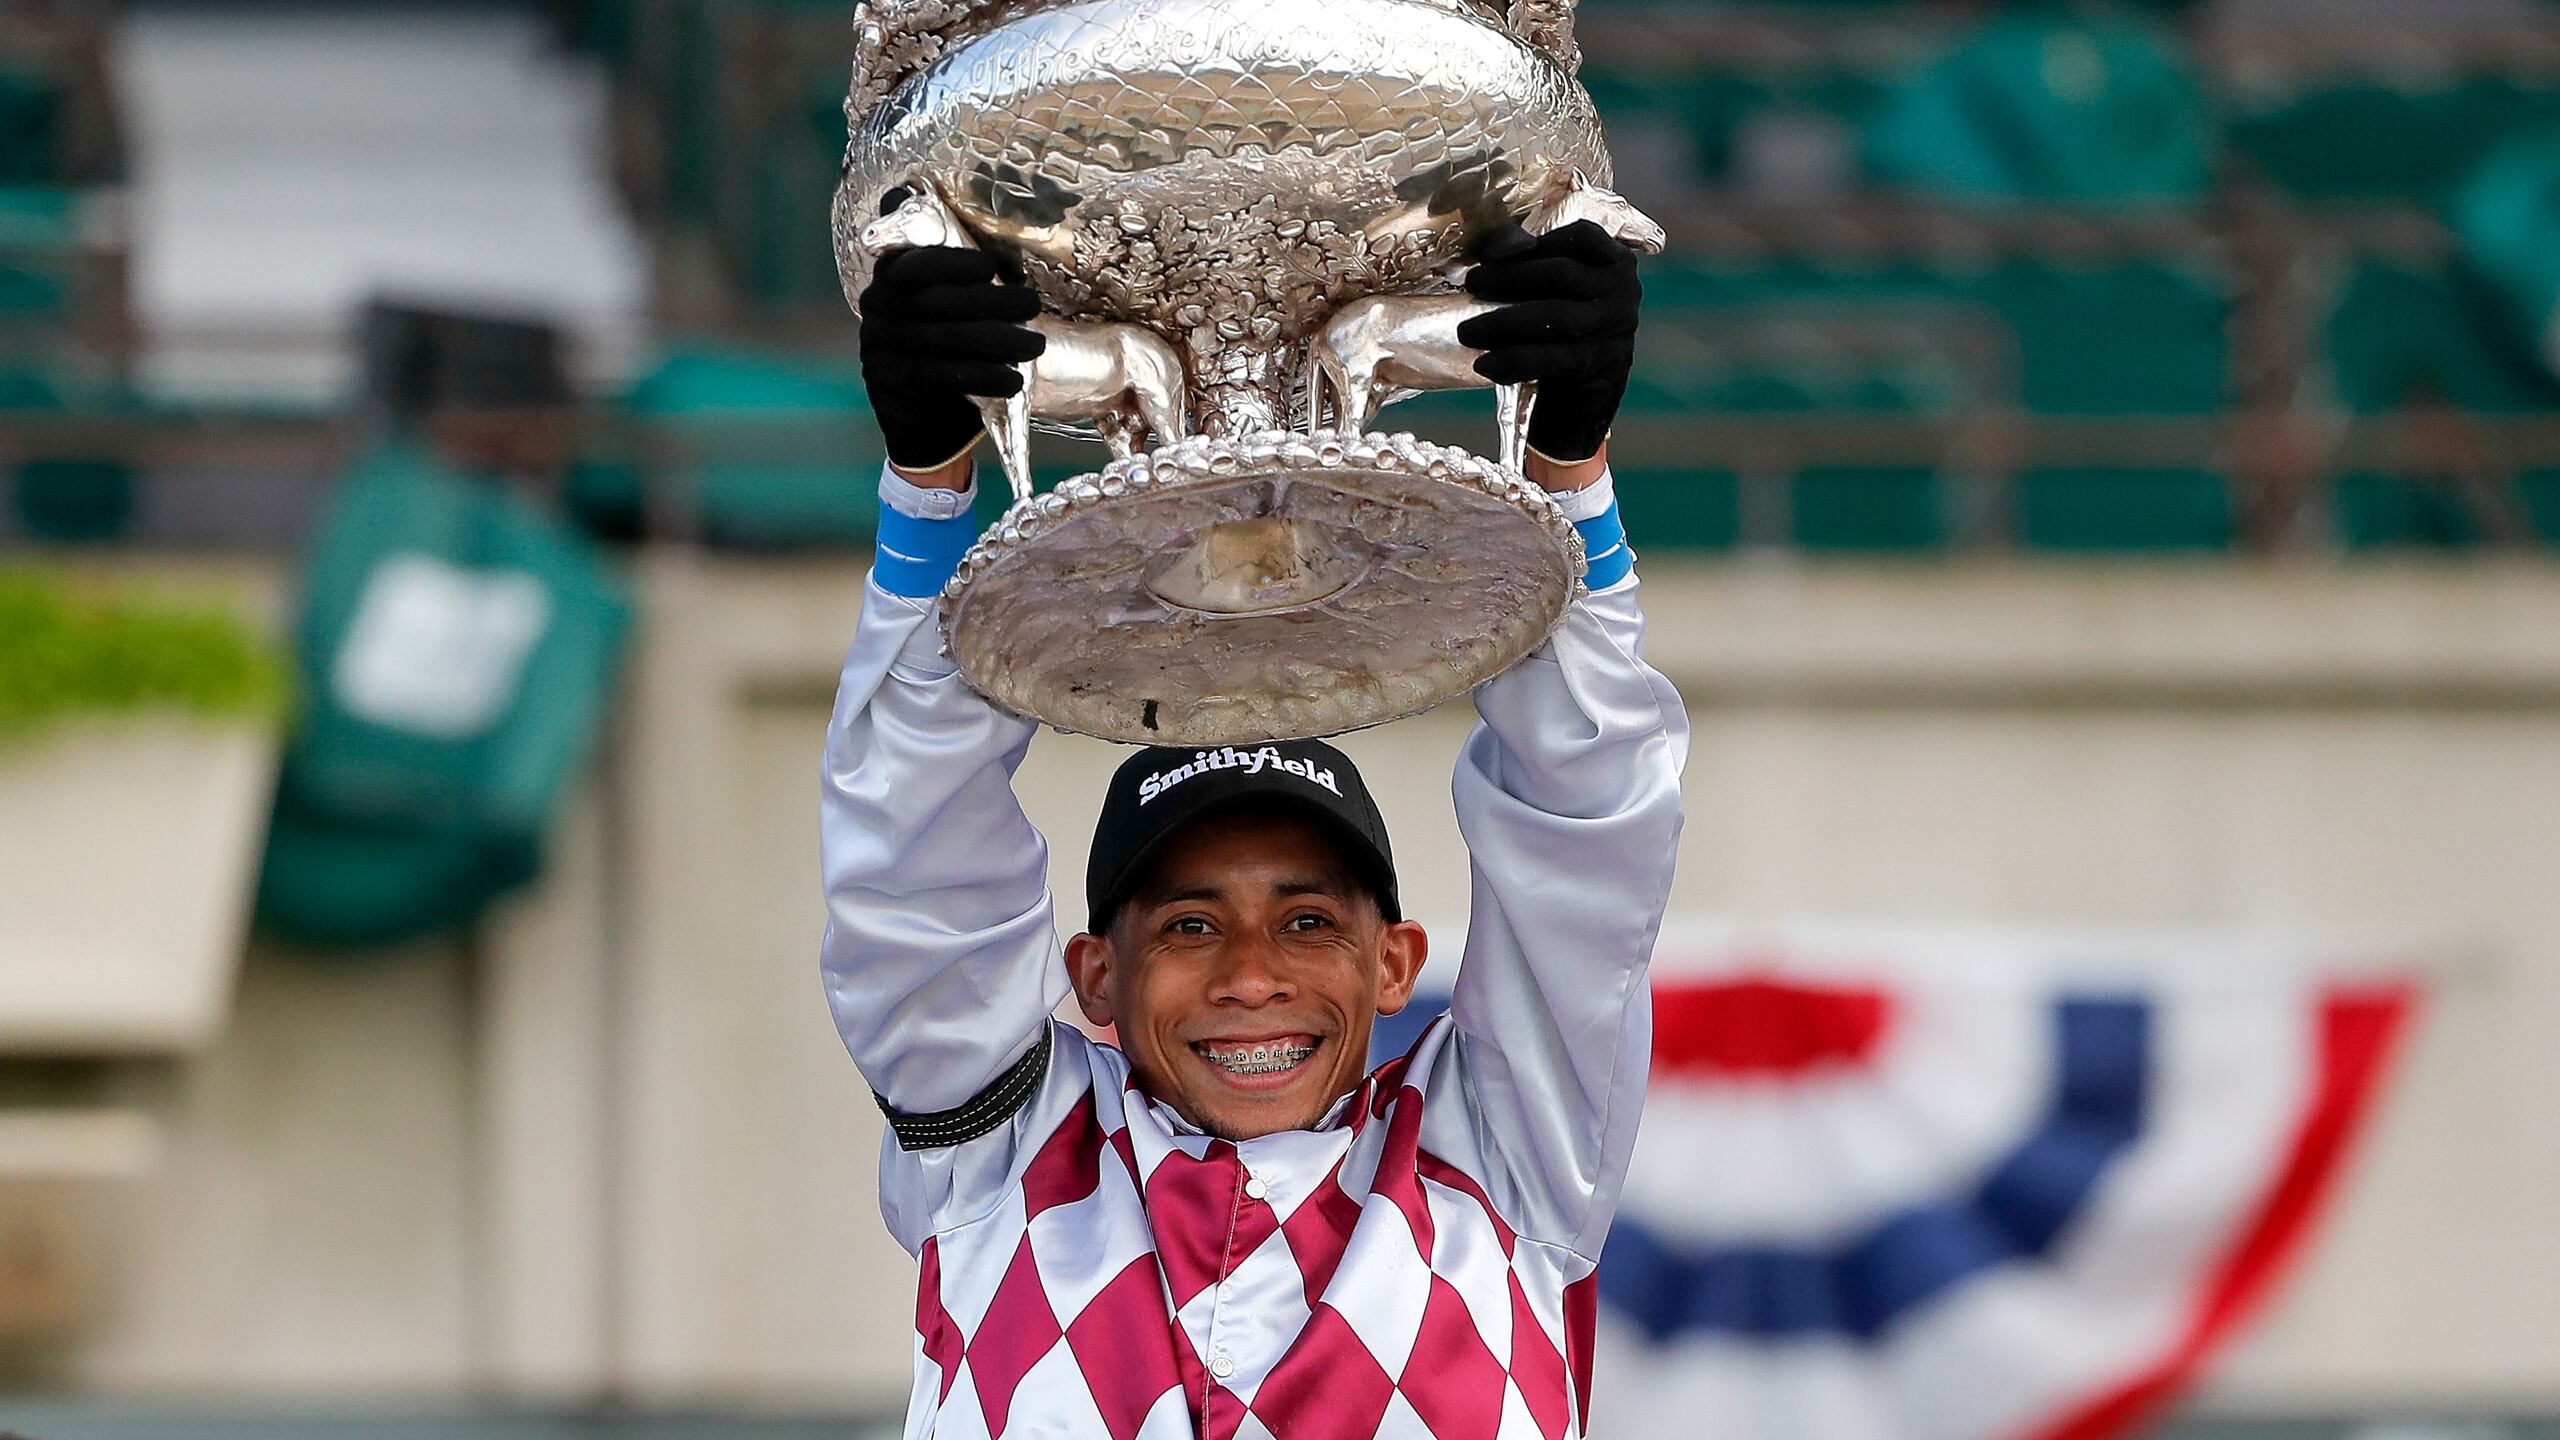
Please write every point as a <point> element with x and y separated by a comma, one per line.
<point>940,958</point>
<point>1568,794</point>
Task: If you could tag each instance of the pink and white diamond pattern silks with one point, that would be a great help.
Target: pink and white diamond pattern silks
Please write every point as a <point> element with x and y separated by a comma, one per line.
<point>1143,1282</point>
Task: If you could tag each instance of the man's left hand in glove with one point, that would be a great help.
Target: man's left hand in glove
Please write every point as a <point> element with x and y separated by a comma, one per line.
<point>1567,320</point>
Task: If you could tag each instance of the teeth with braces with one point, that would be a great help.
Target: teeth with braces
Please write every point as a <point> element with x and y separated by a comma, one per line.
<point>1261,1059</point>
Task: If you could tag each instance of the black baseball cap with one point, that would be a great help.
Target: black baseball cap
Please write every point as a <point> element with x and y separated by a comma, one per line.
<point>1158,791</point>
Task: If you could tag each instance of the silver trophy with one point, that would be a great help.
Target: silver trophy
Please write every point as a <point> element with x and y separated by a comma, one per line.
<point>1247,221</point>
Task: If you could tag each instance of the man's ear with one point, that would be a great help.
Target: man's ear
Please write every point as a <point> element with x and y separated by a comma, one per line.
<point>1089,971</point>
<point>1402,947</point>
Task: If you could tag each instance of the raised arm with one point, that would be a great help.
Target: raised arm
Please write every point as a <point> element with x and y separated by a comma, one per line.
<point>1568,792</point>
<point>940,957</point>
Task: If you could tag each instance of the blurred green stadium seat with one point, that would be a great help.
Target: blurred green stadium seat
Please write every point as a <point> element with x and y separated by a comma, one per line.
<point>38,215</point>
<point>39,246</point>
<point>1706,114</point>
<point>2399,331</point>
<point>31,124</point>
<point>768,410</point>
<point>2101,338</point>
<point>1697,509</point>
<point>2364,141</point>
<point>75,501</point>
<point>2400,336</point>
<point>1806,361</point>
<point>777,232</point>
<point>2507,218</point>
<point>1839,507</point>
<point>683,75</point>
<point>2126,338</point>
<point>731,131</point>
<point>48,318</point>
<point>2042,106</point>
<point>607,30</point>
<point>65,499</point>
<point>2372,511</point>
<point>2129,338</point>
<point>2113,508</point>
<point>2538,494</point>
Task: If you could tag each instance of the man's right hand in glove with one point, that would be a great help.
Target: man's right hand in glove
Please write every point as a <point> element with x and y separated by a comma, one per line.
<point>940,327</point>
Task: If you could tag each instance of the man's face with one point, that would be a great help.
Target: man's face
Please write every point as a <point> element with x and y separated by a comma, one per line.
<point>1244,975</point>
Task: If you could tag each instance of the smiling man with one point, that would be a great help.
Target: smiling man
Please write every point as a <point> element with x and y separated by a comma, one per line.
<point>1245,932</point>
<point>1226,1225</point>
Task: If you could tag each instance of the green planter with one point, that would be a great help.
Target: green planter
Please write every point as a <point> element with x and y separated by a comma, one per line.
<point>137,757</point>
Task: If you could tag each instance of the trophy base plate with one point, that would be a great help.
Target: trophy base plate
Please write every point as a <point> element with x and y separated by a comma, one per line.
<point>1269,586</point>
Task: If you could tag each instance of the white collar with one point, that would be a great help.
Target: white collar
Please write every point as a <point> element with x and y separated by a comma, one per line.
<point>1333,1118</point>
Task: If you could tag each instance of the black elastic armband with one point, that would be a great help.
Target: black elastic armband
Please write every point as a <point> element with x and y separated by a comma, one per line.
<point>981,1114</point>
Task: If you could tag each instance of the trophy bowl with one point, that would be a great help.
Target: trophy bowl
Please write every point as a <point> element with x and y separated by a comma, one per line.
<point>1275,586</point>
<point>1245,220</point>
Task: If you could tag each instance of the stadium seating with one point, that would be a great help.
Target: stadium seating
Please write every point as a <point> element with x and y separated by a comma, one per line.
<point>730,427</point>
<point>2361,141</point>
<point>2094,149</point>
<point>2041,107</point>
<point>63,325</point>
<point>67,498</point>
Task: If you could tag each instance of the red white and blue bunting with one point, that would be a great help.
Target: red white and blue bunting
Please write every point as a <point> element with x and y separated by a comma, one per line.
<point>1899,1184</point>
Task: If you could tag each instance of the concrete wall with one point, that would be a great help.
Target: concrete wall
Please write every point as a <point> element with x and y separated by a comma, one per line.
<point>610,1146</point>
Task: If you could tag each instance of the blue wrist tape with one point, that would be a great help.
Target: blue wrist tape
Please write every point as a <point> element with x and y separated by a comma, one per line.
<point>1604,549</point>
<point>917,556</point>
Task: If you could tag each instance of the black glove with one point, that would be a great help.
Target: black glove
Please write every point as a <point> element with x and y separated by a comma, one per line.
<point>1567,321</point>
<point>937,328</point>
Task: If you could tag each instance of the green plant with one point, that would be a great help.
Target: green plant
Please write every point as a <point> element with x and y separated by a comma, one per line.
<point>68,650</point>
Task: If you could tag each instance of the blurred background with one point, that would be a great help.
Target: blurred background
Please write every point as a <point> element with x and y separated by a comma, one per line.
<point>2096,467</point>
